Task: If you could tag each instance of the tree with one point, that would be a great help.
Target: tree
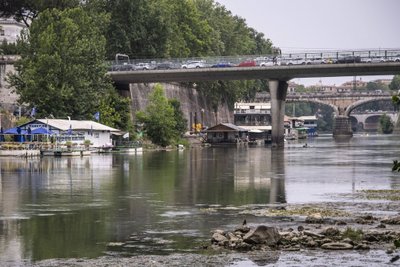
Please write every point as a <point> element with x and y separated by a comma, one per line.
<point>158,118</point>
<point>114,111</point>
<point>62,70</point>
<point>181,122</point>
<point>385,124</point>
<point>136,29</point>
<point>8,48</point>
<point>371,86</point>
<point>27,10</point>
<point>395,83</point>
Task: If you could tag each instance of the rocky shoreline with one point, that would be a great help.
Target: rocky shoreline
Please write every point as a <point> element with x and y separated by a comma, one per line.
<point>315,235</point>
<point>321,234</point>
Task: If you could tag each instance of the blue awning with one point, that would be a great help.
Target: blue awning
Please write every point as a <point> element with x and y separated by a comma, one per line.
<point>41,130</point>
<point>15,130</point>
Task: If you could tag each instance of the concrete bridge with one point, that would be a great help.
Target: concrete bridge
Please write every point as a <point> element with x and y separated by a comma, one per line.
<point>361,63</point>
<point>277,76</point>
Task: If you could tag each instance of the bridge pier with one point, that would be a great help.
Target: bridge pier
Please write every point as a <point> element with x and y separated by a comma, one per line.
<point>278,91</point>
<point>342,127</point>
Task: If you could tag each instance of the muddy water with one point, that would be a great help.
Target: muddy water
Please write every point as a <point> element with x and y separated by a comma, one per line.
<point>167,202</point>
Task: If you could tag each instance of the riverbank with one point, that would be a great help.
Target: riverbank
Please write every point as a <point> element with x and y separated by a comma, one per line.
<point>367,219</point>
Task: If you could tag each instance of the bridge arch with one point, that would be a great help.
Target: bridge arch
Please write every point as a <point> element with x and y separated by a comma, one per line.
<point>315,101</point>
<point>358,103</point>
<point>356,125</point>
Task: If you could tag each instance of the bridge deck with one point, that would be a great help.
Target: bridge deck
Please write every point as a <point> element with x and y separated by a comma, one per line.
<point>249,73</point>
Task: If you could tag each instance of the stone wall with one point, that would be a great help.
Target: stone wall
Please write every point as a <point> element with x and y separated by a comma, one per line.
<point>192,103</point>
<point>8,99</point>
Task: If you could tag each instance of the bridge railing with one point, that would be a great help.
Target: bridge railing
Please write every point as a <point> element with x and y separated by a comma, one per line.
<point>309,57</point>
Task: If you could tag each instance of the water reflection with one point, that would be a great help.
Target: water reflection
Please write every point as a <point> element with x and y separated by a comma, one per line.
<point>163,201</point>
<point>71,207</point>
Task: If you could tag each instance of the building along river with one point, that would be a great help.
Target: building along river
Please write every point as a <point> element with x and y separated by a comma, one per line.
<point>163,202</point>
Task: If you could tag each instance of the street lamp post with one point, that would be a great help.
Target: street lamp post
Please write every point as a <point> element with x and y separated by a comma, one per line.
<point>47,129</point>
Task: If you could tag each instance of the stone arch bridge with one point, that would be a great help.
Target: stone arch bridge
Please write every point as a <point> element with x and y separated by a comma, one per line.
<point>370,121</point>
<point>343,104</point>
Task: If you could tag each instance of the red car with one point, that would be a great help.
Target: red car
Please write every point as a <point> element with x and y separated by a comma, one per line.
<point>247,63</point>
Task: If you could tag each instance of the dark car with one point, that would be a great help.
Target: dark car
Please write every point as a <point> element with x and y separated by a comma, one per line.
<point>349,59</point>
<point>247,63</point>
<point>167,66</point>
<point>164,66</point>
<point>222,65</point>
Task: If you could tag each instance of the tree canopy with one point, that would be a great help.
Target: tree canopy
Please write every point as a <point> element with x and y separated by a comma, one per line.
<point>159,122</point>
<point>62,70</point>
<point>395,83</point>
<point>27,10</point>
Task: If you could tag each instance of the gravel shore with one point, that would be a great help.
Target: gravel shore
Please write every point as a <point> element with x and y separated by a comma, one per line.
<point>352,214</point>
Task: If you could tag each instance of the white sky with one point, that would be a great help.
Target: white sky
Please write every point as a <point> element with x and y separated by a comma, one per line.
<point>299,25</point>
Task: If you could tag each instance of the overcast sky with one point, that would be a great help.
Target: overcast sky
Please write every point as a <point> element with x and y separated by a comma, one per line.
<point>299,25</point>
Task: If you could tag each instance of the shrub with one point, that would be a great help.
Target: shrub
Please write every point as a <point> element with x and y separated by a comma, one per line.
<point>353,234</point>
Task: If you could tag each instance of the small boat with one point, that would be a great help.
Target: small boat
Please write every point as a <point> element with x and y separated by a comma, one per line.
<point>128,150</point>
<point>60,152</point>
<point>127,147</point>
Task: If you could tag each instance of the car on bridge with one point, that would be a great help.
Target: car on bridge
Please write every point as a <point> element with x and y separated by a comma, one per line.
<point>318,60</point>
<point>167,66</point>
<point>122,67</point>
<point>293,61</point>
<point>143,66</point>
<point>247,63</point>
<point>395,58</point>
<point>373,59</point>
<point>267,63</point>
<point>194,64</point>
<point>348,59</point>
<point>222,65</point>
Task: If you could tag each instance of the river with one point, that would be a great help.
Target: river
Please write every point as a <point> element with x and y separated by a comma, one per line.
<point>163,202</point>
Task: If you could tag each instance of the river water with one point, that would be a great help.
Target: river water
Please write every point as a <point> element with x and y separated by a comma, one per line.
<point>163,202</point>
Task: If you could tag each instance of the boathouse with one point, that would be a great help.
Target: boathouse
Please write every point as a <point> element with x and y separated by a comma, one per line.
<point>75,131</point>
<point>226,133</point>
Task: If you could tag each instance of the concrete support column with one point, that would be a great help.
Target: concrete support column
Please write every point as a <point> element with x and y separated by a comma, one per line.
<point>342,127</point>
<point>278,91</point>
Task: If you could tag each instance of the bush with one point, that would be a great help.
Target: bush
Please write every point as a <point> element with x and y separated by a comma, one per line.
<point>353,234</point>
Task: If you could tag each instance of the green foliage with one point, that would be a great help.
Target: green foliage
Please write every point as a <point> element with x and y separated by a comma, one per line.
<point>386,125</point>
<point>353,234</point>
<point>396,166</point>
<point>187,28</point>
<point>324,113</point>
<point>158,118</point>
<point>372,86</point>
<point>22,120</point>
<point>395,83</point>
<point>114,111</point>
<point>181,122</point>
<point>230,34</point>
<point>27,10</point>
<point>8,48</point>
<point>62,71</point>
<point>63,54</point>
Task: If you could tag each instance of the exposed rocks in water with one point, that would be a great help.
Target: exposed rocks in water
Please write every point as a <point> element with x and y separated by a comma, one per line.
<point>393,220</point>
<point>262,237</point>
<point>395,258</point>
<point>315,218</point>
<point>337,246</point>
